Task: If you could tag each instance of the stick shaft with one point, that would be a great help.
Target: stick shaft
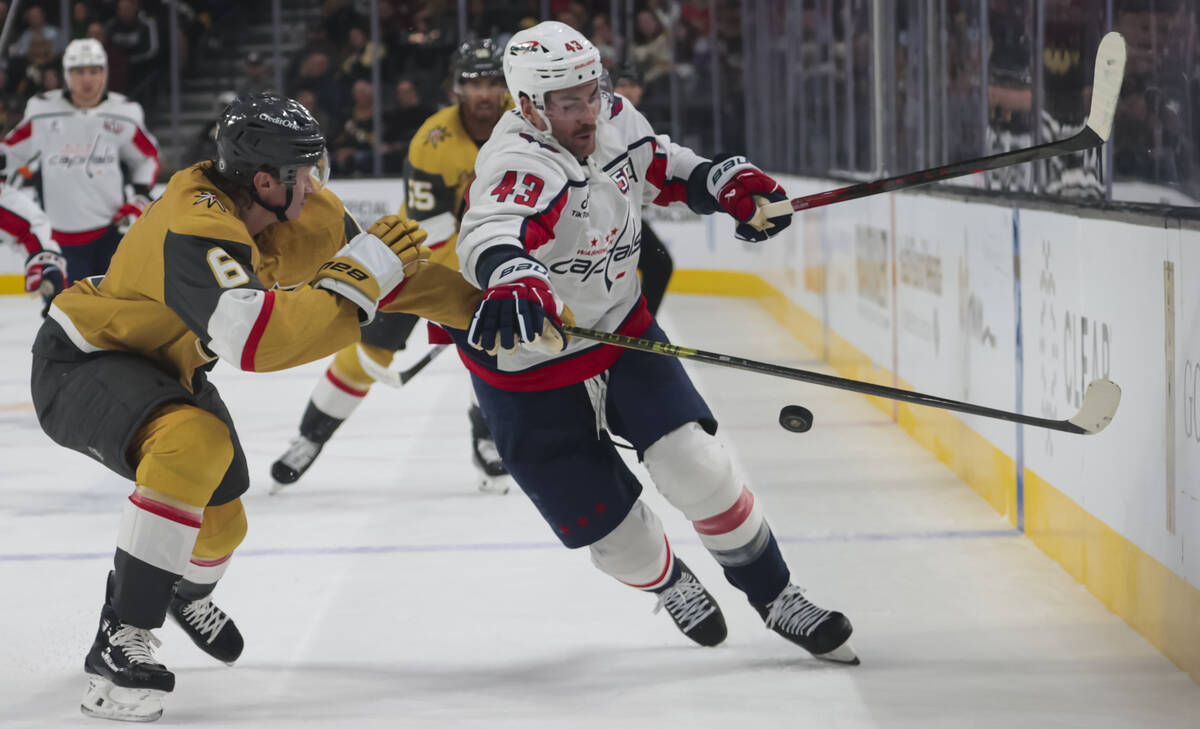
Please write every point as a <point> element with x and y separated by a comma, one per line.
<point>817,378</point>
<point>411,372</point>
<point>1086,139</point>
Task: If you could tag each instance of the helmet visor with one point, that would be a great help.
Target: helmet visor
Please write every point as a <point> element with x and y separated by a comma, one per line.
<point>317,173</point>
<point>579,103</point>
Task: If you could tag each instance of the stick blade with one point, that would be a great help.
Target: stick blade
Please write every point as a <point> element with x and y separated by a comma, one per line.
<point>1106,86</point>
<point>1099,406</point>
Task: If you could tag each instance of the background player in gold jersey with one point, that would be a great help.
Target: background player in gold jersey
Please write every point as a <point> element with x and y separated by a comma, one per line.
<point>439,169</point>
<point>245,258</point>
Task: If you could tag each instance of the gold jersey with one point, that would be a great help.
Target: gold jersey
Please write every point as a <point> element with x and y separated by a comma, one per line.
<point>189,284</point>
<point>440,168</point>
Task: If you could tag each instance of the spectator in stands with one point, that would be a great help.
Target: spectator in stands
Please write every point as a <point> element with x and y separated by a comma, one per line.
<point>338,17</point>
<point>39,58</point>
<point>652,49</point>
<point>133,34</point>
<point>401,123</point>
<point>628,83</point>
<point>118,64</point>
<point>426,49</point>
<point>602,38</point>
<point>254,77</point>
<point>354,144</point>
<point>360,54</point>
<point>35,22</point>
<point>308,99</point>
<point>81,18</point>
<point>315,75</point>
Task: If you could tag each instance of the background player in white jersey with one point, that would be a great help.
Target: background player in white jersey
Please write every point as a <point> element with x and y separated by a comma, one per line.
<point>554,223</point>
<point>87,144</point>
<point>27,226</point>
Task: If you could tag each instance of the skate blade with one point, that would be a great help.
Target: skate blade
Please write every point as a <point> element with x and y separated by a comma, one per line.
<point>276,487</point>
<point>105,700</point>
<point>498,485</point>
<point>843,654</point>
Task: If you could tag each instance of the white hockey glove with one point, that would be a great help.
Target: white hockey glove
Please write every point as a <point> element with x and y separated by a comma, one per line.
<point>519,308</point>
<point>372,264</point>
<point>741,188</point>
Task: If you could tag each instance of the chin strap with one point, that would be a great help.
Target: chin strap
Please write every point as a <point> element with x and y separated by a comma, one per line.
<point>280,211</point>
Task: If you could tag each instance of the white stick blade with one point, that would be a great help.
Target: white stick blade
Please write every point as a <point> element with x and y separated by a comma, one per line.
<point>1099,406</point>
<point>1106,86</point>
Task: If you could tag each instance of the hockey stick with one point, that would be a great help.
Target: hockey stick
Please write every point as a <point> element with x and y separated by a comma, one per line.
<point>388,376</point>
<point>1099,402</point>
<point>1106,87</point>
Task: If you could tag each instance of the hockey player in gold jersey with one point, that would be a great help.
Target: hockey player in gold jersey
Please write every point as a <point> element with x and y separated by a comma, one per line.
<point>244,258</point>
<point>440,167</point>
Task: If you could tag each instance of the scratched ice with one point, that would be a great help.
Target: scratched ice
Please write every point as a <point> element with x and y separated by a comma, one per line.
<point>384,591</point>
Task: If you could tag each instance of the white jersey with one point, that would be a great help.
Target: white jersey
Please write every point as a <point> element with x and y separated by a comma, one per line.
<point>80,153</point>
<point>23,222</point>
<point>582,220</point>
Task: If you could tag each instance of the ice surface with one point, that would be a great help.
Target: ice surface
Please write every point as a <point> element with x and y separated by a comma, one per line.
<point>383,590</point>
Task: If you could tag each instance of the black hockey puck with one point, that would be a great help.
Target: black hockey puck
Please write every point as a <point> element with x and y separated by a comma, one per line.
<point>795,418</point>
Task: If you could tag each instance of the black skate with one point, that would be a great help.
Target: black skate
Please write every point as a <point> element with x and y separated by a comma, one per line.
<point>125,682</point>
<point>294,462</point>
<point>823,633</point>
<point>209,628</point>
<point>494,478</point>
<point>316,428</point>
<point>694,611</point>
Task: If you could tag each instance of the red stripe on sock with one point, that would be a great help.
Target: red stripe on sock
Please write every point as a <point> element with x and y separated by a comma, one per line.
<point>348,389</point>
<point>730,519</point>
<point>211,562</point>
<point>166,511</point>
<point>662,575</point>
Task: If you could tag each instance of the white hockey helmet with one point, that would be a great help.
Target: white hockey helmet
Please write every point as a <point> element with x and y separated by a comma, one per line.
<point>84,52</point>
<point>548,57</point>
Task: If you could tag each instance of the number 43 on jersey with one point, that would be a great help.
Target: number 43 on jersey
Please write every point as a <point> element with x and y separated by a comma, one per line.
<point>529,190</point>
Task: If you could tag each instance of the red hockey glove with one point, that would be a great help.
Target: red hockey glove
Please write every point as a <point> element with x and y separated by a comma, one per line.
<point>519,307</point>
<point>131,211</point>
<point>45,273</point>
<point>741,188</point>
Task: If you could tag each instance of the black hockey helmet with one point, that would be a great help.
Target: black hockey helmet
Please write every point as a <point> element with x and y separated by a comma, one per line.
<point>477,59</point>
<point>266,131</point>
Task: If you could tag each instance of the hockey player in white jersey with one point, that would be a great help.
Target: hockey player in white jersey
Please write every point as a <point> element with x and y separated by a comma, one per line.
<point>87,144</point>
<point>554,225</point>
<point>25,224</point>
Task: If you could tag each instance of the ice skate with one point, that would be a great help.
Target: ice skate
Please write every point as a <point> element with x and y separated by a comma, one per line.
<point>125,681</point>
<point>823,633</point>
<point>209,628</point>
<point>494,478</point>
<point>294,462</point>
<point>694,611</point>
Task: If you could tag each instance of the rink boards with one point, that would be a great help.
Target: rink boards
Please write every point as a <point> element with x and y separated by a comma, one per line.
<point>1009,307</point>
<point>1015,309</point>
